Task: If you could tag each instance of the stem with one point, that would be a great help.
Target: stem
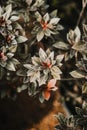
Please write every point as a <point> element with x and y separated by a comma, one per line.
<point>81,14</point>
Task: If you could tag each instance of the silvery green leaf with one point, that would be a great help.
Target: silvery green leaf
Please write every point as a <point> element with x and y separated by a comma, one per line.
<point>76,74</point>
<point>42,54</point>
<point>46,17</point>
<point>42,80</point>
<point>85,29</point>
<point>8,11</point>
<point>48,32</point>
<point>59,27</point>
<point>55,72</point>
<point>10,55</point>
<point>81,47</point>
<point>14,42</point>
<point>10,66</point>
<point>0,11</point>
<point>40,35</point>
<point>32,89</point>
<point>61,45</point>
<point>21,88</point>
<point>51,56</point>
<point>61,118</point>
<point>21,72</point>
<point>21,39</point>
<point>29,2</point>
<point>79,111</point>
<point>69,55</point>
<point>53,13</point>
<point>18,26</point>
<point>12,48</point>
<point>28,66</point>
<point>38,16</point>
<point>35,60</point>
<point>34,76</point>
<point>15,61</point>
<point>59,58</point>
<point>41,98</point>
<point>9,27</point>
<point>84,88</point>
<point>3,64</point>
<point>77,34</point>
<point>14,18</point>
<point>54,21</point>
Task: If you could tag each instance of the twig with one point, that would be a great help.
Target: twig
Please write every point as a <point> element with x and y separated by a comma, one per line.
<point>81,14</point>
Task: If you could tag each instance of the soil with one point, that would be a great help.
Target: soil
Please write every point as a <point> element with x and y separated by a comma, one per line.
<point>27,113</point>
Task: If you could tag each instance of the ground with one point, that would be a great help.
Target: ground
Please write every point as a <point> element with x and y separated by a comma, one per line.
<point>28,113</point>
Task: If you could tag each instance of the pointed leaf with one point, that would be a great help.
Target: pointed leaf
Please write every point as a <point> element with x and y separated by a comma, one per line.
<point>61,45</point>
<point>40,35</point>
<point>76,74</point>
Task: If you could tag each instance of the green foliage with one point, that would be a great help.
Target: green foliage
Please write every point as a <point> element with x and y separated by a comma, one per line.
<point>33,56</point>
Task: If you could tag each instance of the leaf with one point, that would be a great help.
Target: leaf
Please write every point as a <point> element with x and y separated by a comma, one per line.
<point>42,80</point>
<point>81,47</point>
<point>61,118</point>
<point>35,60</point>
<point>61,45</point>
<point>14,18</point>
<point>42,54</point>
<point>21,72</point>
<point>40,35</point>
<point>29,2</point>
<point>54,21</point>
<point>28,66</point>
<point>53,13</point>
<point>59,58</point>
<point>12,48</point>
<point>8,11</point>
<point>77,74</point>
<point>15,61</point>
<point>38,16</point>
<point>46,17</point>
<point>10,55</point>
<point>47,32</point>
<point>77,34</point>
<point>84,88</point>
<point>21,39</point>
<point>81,121</point>
<point>85,29</point>
<point>79,111</point>
<point>10,66</point>
<point>23,87</point>
<point>55,72</point>
<point>41,99</point>
<point>34,76</point>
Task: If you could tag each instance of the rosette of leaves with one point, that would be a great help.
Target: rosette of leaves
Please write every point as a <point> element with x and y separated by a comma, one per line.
<point>10,36</point>
<point>76,122</point>
<point>64,122</point>
<point>35,5</point>
<point>7,16</point>
<point>26,7</point>
<point>81,71</point>
<point>75,44</point>
<point>44,67</point>
<point>39,72</point>
<point>81,118</point>
<point>45,25</point>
